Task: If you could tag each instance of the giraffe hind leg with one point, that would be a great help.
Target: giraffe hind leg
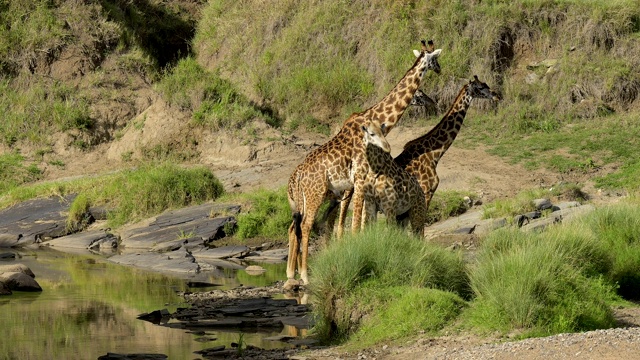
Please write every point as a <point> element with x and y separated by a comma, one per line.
<point>293,260</point>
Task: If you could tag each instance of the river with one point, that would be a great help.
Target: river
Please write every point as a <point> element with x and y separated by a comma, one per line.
<point>89,307</point>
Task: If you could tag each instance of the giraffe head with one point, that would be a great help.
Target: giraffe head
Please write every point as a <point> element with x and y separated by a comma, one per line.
<point>428,57</point>
<point>479,90</point>
<point>374,135</point>
<point>420,99</point>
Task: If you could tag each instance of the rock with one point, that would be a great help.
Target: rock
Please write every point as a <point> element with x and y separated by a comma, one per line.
<point>4,289</point>
<point>143,356</point>
<point>34,220</point>
<point>171,226</point>
<point>17,268</point>
<point>542,204</point>
<point>179,261</point>
<point>18,281</point>
<point>94,239</point>
<point>255,270</point>
<point>224,252</point>
<point>4,256</point>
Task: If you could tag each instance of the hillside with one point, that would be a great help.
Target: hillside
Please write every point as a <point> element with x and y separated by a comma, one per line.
<point>247,88</point>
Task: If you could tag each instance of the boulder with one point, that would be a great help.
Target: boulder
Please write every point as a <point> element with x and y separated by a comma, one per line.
<point>4,289</point>
<point>18,281</point>
<point>175,225</point>
<point>17,268</point>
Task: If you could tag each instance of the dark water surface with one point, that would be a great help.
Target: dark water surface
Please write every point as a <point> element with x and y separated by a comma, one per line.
<point>88,307</point>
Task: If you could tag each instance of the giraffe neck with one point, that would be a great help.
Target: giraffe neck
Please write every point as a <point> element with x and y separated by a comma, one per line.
<point>439,139</point>
<point>390,109</point>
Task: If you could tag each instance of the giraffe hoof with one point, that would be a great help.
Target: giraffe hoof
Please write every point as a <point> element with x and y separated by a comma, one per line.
<point>291,284</point>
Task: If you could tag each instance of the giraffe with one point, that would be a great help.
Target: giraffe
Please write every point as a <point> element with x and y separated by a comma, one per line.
<point>423,100</point>
<point>420,156</point>
<point>335,166</point>
<point>390,188</point>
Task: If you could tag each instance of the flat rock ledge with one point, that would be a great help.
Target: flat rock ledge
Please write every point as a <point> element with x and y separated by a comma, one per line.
<point>461,230</point>
<point>180,241</point>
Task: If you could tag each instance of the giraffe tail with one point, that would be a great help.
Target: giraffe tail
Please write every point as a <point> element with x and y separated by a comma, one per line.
<point>297,220</point>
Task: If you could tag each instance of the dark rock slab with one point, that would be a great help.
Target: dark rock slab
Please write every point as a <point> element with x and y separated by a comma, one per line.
<point>142,356</point>
<point>7,255</point>
<point>179,261</point>
<point>224,252</point>
<point>34,220</point>
<point>18,281</point>
<point>194,221</point>
<point>189,244</point>
<point>268,256</point>
<point>94,239</point>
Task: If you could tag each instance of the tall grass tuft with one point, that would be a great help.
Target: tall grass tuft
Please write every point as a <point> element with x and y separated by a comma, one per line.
<point>267,214</point>
<point>384,256</point>
<point>618,228</point>
<point>541,284</point>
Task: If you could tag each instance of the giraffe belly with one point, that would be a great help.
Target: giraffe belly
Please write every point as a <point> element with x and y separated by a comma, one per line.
<point>339,185</point>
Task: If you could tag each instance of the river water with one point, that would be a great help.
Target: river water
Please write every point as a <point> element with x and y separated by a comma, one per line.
<point>89,307</point>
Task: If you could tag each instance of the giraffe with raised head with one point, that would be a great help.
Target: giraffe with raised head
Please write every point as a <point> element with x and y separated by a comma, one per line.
<point>388,187</point>
<point>339,164</point>
<point>420,156</point>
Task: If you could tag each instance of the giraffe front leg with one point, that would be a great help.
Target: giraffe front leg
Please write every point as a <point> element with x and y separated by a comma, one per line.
<point>344,208</point>
<point>358,205</point>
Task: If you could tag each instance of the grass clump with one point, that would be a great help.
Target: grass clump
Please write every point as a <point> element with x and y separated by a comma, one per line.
<point>380,257</point>
<point>396,312</point>
<point>267,214</point>
<point>33,111</point>
<point>618,228</point>
<point>213,101</point>
<point>540,284</point>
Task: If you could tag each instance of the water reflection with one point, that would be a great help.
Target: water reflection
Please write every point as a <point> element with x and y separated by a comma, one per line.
<point>89,307</point>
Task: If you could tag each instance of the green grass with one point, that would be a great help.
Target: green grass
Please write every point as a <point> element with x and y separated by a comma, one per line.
<point>213,101</point>
<point>130,195</point>
<point>523,201</point>
<point>38,109</point>
<point>265,213</point>
<point>445,204</point>
<point>15,172</point>
<point>540,284</point>
<point>394,313</point>
<point>382,257</point>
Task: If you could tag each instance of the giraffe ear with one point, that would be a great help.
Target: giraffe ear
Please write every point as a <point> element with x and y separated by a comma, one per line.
<point>416,53</point>
<point>436,52</point>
